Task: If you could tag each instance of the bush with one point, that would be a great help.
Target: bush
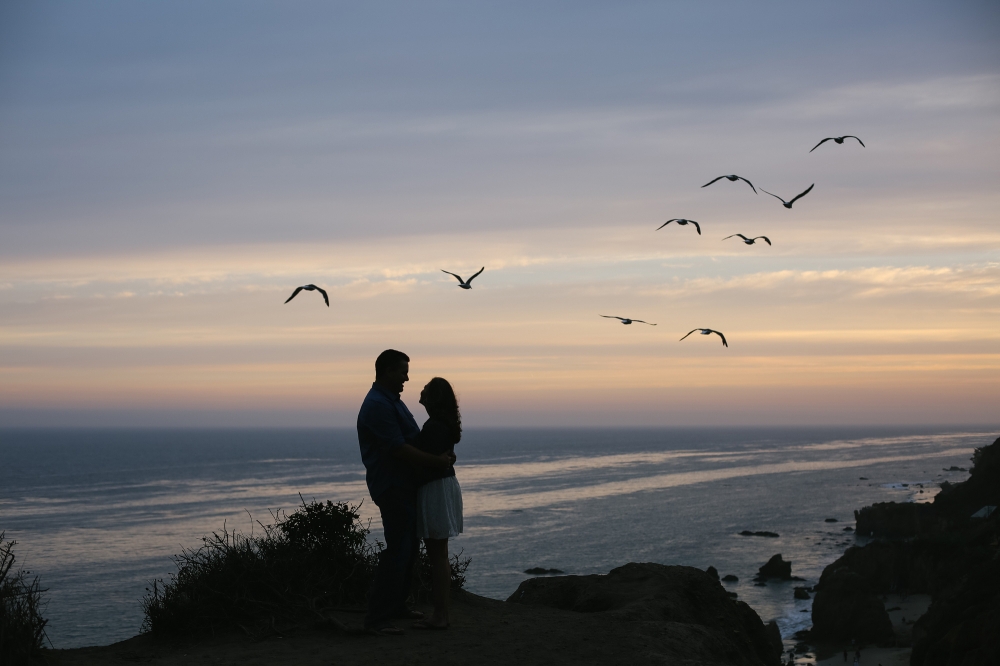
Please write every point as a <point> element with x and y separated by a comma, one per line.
<point>292,572</point>
<point>22,627</point>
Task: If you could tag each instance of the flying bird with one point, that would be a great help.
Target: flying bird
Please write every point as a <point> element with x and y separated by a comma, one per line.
<point>708,331</point>
<point>733,178</point>
<point>788,204</point>
<point>837,139</point>
<point>682,223</point>
<point>750,241</point>
<point>310,287</point>
<point>465,284</point>
<point>627,321</point>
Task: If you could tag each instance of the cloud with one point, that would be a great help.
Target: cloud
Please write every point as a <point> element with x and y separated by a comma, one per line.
<point>979,281</point>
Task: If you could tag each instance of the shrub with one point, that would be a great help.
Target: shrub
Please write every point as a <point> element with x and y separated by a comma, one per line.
<point>22,627</point>
<point>291,572</point>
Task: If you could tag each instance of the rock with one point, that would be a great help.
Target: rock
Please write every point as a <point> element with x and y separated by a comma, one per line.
<point>897,521</point>
<point>774,635</point>
<point>687,612</point>
<point>730,578</point>
<point>862,478</point>
<point>713,572</point>
<point>732,594</point>
<point>762,533</point>
<point>845,609</point>
<point>539,571</point>
<point>953,468</point>
<point>802,593</point>
<point>830,520</point>
<point>848,529</point>
<point>775,568</point>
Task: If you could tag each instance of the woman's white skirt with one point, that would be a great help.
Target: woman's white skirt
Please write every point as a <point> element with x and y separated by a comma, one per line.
<point>439,509</point>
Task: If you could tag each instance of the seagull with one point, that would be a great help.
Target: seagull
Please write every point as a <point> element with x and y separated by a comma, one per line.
<point>749,241</point>
<point>627,321</point>
<point>733,178</point>
<point>788,204</point>
<point>310,287</point>
<point>682,223</point>
<point>837,139</point>
<point>708,331</point>
<point>465,284</point>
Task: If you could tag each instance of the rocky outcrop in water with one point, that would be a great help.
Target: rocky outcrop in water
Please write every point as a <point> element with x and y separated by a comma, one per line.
<point>775,568</point>
<point>687,611</point>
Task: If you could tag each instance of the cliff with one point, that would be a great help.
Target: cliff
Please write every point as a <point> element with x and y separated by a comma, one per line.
<point>638,614</point>
<point>937,549</point>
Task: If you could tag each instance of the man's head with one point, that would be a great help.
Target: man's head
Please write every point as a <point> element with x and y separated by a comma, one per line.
<point>392,370</point>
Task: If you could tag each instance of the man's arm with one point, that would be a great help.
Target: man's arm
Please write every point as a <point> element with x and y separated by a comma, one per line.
<point>411,455</point>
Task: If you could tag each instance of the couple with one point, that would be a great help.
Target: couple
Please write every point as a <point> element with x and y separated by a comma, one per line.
<point>411,479</point>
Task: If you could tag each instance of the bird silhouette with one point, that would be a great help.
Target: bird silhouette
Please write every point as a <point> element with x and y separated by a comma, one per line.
<point>750,241</point>
<point>310,287</point>
<point>788,204</point>
<point>733,178</point>
<point>837,139</point>
<point>465,284</point>
<point>708,331</point>
<point>627,321</point>
<point>681,222</point>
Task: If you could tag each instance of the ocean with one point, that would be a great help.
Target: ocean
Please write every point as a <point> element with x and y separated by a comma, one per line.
<point>97,514</point>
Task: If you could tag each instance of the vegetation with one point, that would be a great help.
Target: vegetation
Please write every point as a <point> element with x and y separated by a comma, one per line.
<point>289,573</point>
<point>22,627</point>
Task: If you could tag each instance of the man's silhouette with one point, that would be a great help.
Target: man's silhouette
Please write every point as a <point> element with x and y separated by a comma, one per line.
<point>385,426</point>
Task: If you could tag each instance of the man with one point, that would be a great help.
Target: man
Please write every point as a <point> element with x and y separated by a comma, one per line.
<point>385,426</point>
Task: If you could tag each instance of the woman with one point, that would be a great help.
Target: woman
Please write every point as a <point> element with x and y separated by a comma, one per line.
<point>439,499</point>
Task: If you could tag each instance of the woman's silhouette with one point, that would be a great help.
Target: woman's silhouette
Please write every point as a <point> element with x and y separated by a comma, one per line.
<point>439,499</point>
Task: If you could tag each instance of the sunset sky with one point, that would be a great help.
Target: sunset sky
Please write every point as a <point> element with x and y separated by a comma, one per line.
<point>171,171</point>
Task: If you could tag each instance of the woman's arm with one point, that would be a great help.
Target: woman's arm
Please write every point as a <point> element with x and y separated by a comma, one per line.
<point>411,455</point>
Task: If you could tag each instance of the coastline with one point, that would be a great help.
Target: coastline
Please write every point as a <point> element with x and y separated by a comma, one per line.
<point>770,545</point>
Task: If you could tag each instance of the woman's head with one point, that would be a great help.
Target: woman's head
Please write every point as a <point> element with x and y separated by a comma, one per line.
<point>439,399</point>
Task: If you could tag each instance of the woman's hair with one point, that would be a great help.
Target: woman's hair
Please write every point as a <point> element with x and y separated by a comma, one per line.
<point>441,404</point>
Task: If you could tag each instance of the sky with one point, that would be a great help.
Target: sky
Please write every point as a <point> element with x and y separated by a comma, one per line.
<point>171,171</point>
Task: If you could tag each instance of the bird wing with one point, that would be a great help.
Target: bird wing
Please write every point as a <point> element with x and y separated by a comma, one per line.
<point>731,235</point>
<point>612,317</point>
<point>851,136</point>
<point>766,239</point>
<point>458,277</point>
<point>669,221</point>
<point>639,321</point>
<point>748,183</point>
<point>294,293</point>
<point>696,226</point>
<point>724,343</point>
<point>801,195</point>
<point>775,196</point>
<point>821,143</point>
<point>325,297</point>
<point>690,332</point>
<point>712,181</point>
<point>469,281</point>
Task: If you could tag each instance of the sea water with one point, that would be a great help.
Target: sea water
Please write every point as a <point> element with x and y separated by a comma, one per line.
<point>97,514</point>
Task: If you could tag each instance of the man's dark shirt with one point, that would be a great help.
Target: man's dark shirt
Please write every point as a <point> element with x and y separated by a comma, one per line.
<point>435,438</point>
<point>384,423</point>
